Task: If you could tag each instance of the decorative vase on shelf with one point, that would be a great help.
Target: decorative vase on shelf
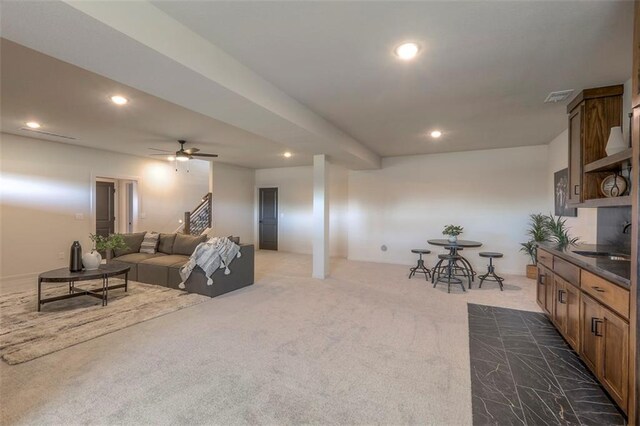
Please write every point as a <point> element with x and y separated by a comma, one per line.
<point>91,261</point>
<point>615,143</point>
<point>453,239</point>
<point>75,257</point>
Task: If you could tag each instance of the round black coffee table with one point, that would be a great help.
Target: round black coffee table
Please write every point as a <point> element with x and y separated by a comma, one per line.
<point>63,275</point>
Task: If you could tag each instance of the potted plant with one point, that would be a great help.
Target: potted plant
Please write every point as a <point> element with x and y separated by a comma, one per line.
<point>452,231</point>
<point>559,232</point>
<point>108,244</point>
<point>538,232</point>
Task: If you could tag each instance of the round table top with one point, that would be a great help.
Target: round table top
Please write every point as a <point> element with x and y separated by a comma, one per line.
<point>64,274</point>
<point>459,243</point>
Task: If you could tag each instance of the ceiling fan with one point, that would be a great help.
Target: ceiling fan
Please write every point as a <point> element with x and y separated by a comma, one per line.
<point>183,154</point>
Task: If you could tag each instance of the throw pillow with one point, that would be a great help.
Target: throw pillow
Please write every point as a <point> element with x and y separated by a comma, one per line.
<point>186,244</point>
<point>165,244</point>
<point>133,242</point>
<point>150,243</point>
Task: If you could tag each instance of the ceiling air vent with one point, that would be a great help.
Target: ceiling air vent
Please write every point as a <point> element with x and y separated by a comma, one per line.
<point>559,96</point>
<point>42,132</point>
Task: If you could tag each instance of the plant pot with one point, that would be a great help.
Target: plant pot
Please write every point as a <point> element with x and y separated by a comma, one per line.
<point>532,272</point>
<point>453,239</point>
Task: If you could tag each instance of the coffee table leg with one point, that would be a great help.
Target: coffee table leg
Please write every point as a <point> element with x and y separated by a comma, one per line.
<point>105,293</point>
<point>126,281</point>
<point>39,290</point>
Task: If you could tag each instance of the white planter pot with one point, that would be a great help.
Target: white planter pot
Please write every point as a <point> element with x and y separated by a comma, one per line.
<point>91,260</point>
<point>453,238</point>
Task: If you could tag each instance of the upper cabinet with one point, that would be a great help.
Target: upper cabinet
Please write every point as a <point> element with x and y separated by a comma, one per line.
<point>592,114</point>
<point>635,77</point>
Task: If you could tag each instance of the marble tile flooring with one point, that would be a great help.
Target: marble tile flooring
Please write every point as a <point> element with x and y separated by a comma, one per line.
<point>524,373</point>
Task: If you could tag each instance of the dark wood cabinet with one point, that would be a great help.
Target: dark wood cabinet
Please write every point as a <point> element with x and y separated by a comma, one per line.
<point>604,348</point>
<point>614,360</point>
<point>566,310</point>
<point>559,311</point>
<point>544,289</point>
<point>592,114</point>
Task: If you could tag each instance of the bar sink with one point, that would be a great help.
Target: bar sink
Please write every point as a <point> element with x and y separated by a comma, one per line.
<point>604,255</point>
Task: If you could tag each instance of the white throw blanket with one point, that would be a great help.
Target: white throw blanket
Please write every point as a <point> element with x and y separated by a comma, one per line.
<point>218,252</point>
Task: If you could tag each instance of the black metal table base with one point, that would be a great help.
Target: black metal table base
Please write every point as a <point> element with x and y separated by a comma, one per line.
<point>449,274</point>
<point>101,293</point>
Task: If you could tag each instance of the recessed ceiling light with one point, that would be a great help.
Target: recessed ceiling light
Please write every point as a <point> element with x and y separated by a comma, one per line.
<point>287,154</point>
<point>119,100</point>
<point>407,51</point>
<point>33,124</point>
<point>171,158</point>
<point>436,134</point>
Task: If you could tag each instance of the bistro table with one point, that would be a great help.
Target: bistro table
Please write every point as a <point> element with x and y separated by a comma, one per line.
<point>453,250</point>
<point>64,275</point>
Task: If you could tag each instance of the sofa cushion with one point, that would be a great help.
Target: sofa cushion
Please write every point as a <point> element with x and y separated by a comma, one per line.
<point>150,243</point>
<point>176,260</point>
<point>165,244</point>
<point>186,244</point>
<point>133,242</point>
<point>137,257</point>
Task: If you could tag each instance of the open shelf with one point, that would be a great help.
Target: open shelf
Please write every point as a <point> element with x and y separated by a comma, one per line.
<point>611,163</point>
<point>607,202</point>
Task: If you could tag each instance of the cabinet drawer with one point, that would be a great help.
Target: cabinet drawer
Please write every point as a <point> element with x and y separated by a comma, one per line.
<point>545,258</point>
<point>617,298</point>
<point>566,270</point>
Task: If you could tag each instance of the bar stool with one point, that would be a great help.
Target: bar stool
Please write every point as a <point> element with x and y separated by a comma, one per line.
<point>451,269</point>
<point>420,266</point>
<point>491,270</point>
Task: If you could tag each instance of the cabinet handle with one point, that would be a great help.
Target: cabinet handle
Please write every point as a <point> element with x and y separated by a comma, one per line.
<point>576,190</point>
<point>598,289</point>
<point>593,325</point>
<point>541,278</point>
<point>560,299</point>
<point>595,328</point>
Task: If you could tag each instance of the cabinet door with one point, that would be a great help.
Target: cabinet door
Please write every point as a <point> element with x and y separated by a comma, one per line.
<point>549,292</point>
<point>575,155</point>
<point>589,342</point>
<point>572,326</point>
<point>614,361</point>
<point>560,304</point>
<point>540,288</point>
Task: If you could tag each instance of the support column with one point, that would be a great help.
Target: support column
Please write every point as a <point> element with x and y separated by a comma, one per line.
<point>320,217</point>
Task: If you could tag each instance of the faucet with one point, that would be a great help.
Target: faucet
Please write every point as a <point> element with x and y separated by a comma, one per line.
<point>625,230</point>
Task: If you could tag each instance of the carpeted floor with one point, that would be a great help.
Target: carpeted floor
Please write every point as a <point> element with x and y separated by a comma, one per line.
<point>364,346</point>
<point>26,334</point>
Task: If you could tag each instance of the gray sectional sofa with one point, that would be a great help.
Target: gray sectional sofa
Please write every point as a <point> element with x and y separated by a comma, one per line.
<point>173,251</point>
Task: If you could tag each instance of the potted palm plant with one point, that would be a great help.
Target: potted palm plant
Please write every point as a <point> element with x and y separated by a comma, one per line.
<point>452,231</point>
<point>538,232</point>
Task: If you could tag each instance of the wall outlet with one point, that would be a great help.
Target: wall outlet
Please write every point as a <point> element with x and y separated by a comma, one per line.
<point>79,216</point>
<point>61,255</point>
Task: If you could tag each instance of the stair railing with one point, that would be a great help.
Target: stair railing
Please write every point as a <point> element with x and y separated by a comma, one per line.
<point>200,218</point>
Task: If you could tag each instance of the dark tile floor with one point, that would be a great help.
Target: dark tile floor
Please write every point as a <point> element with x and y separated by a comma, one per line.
<point>524,373</point>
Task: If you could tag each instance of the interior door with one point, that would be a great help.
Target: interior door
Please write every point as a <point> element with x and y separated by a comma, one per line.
<point>268,218</point>
<point>105,208</point>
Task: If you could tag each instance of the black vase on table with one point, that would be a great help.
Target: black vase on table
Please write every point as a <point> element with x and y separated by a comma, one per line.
<point>75,257</point>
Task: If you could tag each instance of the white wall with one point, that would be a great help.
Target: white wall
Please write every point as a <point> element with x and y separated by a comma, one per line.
<point>45,184</point>
<point>410,199</point>
<point>585,225</point>
<point>233,189</point>
<point>295,203</point>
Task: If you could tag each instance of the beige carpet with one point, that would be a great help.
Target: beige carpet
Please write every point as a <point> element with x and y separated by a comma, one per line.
<point>26,334</point>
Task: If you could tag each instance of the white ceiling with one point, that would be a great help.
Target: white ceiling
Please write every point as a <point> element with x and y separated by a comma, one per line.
<point>483,74</point>
<point>70,101</point>
<point>317,77</point>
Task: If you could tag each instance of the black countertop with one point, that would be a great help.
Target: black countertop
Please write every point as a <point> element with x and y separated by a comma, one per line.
<point>616,271</point>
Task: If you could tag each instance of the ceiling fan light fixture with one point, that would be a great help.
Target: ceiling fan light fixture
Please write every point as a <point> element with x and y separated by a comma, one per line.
<point>182,157</point>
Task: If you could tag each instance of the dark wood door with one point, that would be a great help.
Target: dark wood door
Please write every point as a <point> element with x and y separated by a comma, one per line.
<point>575,155</point>
<point>590,313</point>
<point>105,211</point>
<point>268,218</point>
<point>614,357</point>
<point>572,326</point>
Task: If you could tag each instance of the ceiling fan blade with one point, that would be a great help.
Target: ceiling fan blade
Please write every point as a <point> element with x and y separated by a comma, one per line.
<point>191,150</point>
<point>161,150</point>
<point>205,155</point>
<point>168,154</point>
